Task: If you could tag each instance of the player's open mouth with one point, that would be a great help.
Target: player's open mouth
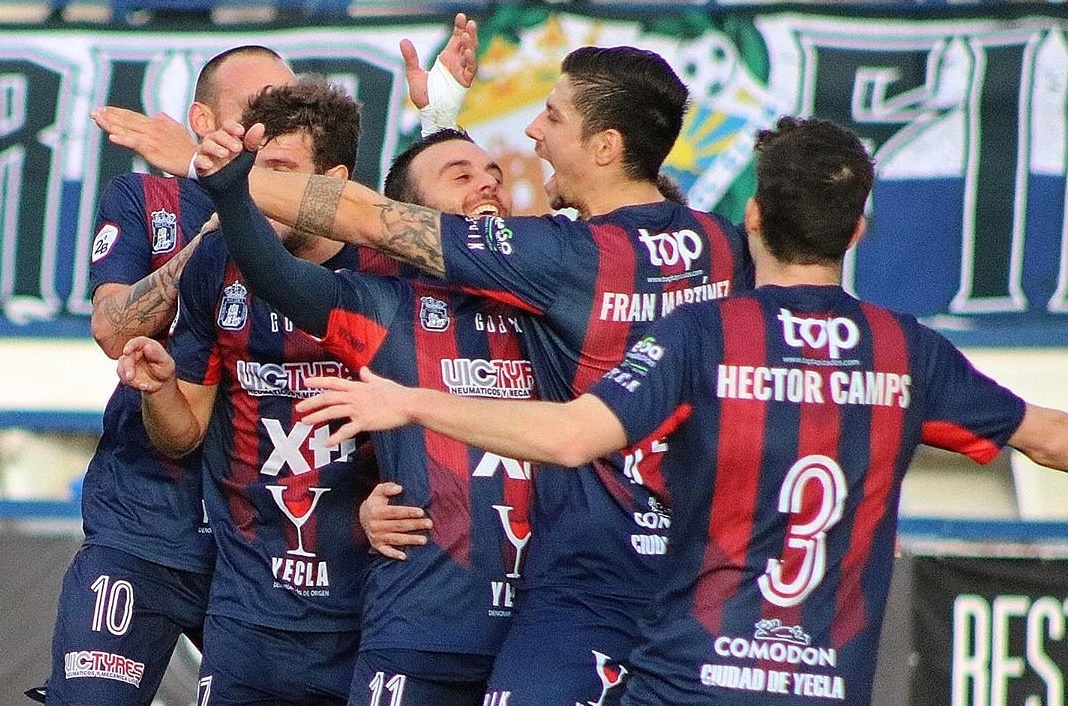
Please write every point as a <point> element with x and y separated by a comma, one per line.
<point>486,209</point>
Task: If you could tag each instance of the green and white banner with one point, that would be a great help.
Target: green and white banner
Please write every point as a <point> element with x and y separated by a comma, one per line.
<point>966,112</point>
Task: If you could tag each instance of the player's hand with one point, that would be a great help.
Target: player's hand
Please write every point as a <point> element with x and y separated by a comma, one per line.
<point>460,57</point>
<point>222,146</point>
<point>371,403</point>
<point>145,365</point>
<point>161,140</point>
<point>389,527</point>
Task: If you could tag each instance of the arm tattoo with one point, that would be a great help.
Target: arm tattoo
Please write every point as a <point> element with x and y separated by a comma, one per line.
<point>412,234</point>
<point>149,305</point>
<point>319,206</point>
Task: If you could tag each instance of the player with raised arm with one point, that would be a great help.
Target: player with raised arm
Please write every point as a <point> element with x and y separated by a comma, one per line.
<point>592,286</point>
<point>432,623</point>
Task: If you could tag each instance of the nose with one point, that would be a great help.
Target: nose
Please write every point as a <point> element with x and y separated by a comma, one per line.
<point>533,130</point>
<point>487,183</point>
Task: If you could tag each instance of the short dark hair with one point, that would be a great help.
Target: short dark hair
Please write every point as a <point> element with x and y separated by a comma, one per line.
<point>634,91</point>
<point>329,115</point>
<point>813,180</point>
<point>206,91</point>
<point>398,185</point>
<point>670,189</point>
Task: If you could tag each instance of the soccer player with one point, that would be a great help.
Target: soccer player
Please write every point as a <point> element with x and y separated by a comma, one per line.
<point>592,286</point>
<point>433,622</point>
<point>146,560</point>
<point>791,414</point>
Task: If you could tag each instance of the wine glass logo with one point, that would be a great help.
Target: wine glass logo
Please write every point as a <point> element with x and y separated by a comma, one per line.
<point>518,533</point>
<point>297,520</point>
<point>610,675</point>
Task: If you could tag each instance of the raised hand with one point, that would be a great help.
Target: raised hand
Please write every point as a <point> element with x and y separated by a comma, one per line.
<point>459,58</point>
<point>145,365</point>
<point>161,140</point>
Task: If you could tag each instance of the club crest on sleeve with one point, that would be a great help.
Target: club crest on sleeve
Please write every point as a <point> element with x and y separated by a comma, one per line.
<point>104,239</point>
<point>164,231</point>
<point>233,310</point>
<point>433,314</point>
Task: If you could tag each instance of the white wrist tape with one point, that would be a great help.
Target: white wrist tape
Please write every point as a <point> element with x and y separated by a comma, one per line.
<point>446,96</point>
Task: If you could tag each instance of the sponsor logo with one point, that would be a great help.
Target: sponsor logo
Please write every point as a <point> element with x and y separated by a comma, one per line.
<point>285,379</point>
<point>105,238</point>
<point>433,314</point>
<point>669,249</point>
<point>102,665</point>
<point>488,378</point>
<point>298,505</point>
<point>233,311</point>
<point>609,672</point>
<point>835,334</point>
<point>164,231</point>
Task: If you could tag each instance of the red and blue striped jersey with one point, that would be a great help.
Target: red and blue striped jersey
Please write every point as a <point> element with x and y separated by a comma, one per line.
<point>592,288</point>
<point>455,594</point>
<point>133,498</point>
<point>283,505</point>
<point>790,416</point>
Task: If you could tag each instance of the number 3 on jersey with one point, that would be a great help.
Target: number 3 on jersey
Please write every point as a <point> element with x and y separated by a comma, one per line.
<point>813,494</point>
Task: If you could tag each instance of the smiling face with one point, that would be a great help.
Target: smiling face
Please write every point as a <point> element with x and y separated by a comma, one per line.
<point>457,176</point>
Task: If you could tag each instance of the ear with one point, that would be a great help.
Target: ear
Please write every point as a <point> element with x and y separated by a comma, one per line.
<point>859,231</point>
<point>338,172</point>
<point>753,222</point>
<point>202,119</point>
<point>607,147</point>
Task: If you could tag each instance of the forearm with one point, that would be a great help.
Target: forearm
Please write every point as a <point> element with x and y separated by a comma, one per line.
<point>352,213</point>
<point>145,308</point>
<point>172,426</point>
<point>1043,437</point>
<point>568,434</point>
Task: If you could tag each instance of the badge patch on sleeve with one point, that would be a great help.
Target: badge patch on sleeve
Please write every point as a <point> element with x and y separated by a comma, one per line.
<point>105,238</point>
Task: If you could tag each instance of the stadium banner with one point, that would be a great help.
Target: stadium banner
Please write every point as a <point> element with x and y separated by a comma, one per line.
<point>965,109</point>
<point>989,631</point>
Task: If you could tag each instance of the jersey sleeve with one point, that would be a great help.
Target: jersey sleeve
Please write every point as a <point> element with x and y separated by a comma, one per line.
<point>192,340</point>
<point>649,389</point>
<point>121,250</point>
<point>967,412</point>
<point>364,308</point>
<point>524,261</point>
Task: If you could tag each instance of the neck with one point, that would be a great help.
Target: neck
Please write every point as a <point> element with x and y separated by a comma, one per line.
<point>607,195</point>
<point>790,275</point>
<point>318,250</point>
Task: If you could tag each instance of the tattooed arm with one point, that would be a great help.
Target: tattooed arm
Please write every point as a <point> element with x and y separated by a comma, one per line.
<point>144,308</point>
<point>352,213</point>
<point>328,207</point>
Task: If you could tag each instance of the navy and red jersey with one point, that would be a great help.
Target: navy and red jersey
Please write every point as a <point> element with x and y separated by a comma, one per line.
<point>791,415</point>
<point>455,593</point>
<point>283,505</point>
<point>133,498</point>
<point>592,288</point>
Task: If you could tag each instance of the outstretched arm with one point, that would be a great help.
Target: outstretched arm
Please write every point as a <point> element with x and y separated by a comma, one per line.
<point>328,207</point>
<point>1043,437</point>
<point>161,140</point>
<point>569,434</point>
